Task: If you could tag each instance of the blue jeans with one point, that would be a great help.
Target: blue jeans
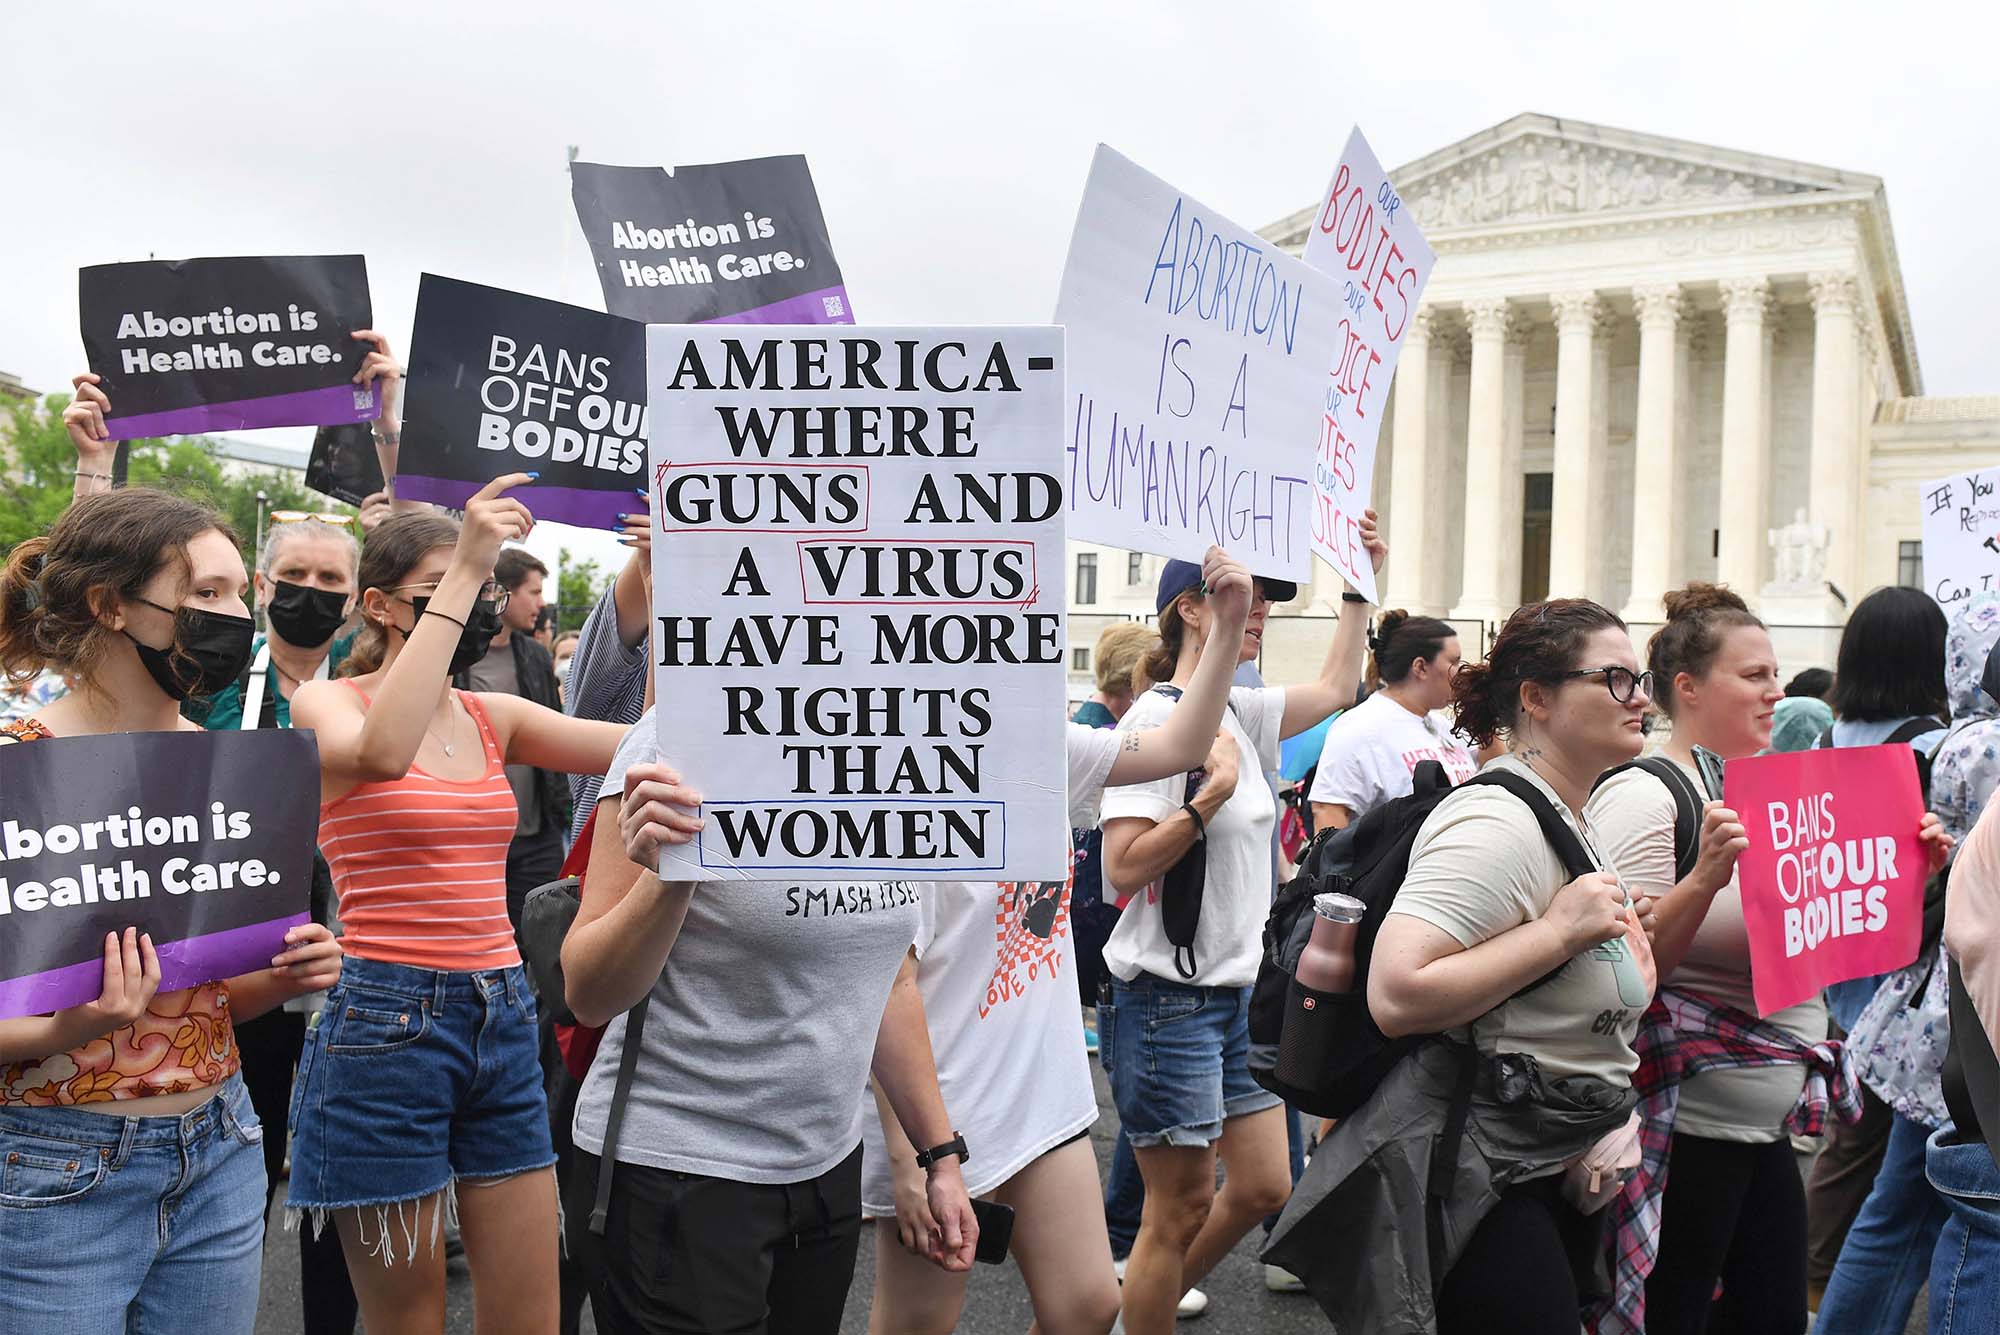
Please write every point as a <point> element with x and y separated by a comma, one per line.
<point>113,1224</point>
<point>412,1079</point>
<point>1178,1058</point>
<point>1965,1271</point>
<point>1887,1255</point>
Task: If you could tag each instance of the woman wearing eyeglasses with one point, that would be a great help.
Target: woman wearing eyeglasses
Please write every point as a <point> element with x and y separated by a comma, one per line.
<point>419,1090</point>
<point>1530,981</point>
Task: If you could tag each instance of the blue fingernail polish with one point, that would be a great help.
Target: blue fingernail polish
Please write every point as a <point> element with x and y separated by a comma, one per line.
<point>623,517</point>
<point>642,493</point>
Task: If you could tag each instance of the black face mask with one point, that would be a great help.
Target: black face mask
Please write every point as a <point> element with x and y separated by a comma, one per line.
<point>214,648</point>
<point>480,628</point>
<point>304,616</point>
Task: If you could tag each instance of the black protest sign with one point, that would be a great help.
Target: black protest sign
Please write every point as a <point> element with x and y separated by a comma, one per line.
<point>203,839</point>
<point>343,463</point>
<point>504,383</point>
<point>720,242</point>
<point>186,346</point>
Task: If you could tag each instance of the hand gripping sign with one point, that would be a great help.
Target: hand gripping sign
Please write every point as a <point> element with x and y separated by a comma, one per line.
<point>1833,880</point>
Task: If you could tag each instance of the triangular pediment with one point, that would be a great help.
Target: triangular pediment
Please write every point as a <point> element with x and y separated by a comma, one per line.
<point>1537,168</point>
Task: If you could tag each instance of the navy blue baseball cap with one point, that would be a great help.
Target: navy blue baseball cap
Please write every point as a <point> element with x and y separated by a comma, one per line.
<point>1177,577</point>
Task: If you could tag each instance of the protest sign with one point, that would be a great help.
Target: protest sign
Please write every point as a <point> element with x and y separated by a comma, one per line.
<point>504,383</point>
<point>1370,244</point>
<point>715,243</point>
<point>185,346</point>
<point>1833,880</point>
<point>858,557</point>
<point>1962,536</point>
<point>1198,355</point>
<point>204,839</point>
<point>343,463</point>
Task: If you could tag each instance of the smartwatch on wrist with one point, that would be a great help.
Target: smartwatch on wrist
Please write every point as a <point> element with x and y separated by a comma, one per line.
<point>956,1145</point>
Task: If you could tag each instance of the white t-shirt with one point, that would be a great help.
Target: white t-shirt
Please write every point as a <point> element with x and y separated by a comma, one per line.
<point>997,966</point>
<point>1632,816</point>
<point>1236,896</point>
<point>1091,753</point>
<point>1373,748</point>
<point>1481,866</point>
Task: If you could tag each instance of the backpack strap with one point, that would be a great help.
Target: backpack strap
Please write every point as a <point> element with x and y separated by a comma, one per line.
<point>1687,806</point>
<point>1912,728</point>
<point>614,1119</point>
<point>1443,1170</point>
<point>1568,846</point>
<point>1971,1075</point>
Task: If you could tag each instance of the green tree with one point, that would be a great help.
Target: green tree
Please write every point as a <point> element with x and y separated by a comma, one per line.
<point>578,587</point>
<point>40,468</point>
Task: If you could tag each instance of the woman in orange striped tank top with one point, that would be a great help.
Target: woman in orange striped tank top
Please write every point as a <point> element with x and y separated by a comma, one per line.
<point>419,1090</point>
<point>131,1169</point>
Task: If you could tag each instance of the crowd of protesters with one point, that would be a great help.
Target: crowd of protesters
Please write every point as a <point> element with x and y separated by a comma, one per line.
<point>687,1118</point>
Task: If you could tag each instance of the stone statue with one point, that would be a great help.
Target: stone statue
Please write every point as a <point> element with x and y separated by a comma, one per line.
<point>1798,556</point>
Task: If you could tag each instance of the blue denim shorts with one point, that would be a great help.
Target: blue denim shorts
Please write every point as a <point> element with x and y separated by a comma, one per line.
<point>413,1078</point>
<point>114,1223</point>
<point>1178,1058</point>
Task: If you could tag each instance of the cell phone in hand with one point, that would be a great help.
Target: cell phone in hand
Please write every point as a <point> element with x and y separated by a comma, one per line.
<point>996,1231</point>
<point>1709,765</point>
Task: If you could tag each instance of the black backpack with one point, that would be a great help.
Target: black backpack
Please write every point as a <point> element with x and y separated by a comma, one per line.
<point>1368,860</point>
<point>1971,1076</point>
<point>1687,806</point>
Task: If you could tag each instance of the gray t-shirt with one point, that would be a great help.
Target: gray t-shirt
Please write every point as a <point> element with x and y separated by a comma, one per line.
<point>497,673</point>
<point>760,1033</point>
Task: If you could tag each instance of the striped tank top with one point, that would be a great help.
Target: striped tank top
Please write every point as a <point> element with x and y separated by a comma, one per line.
<point>420,864</point>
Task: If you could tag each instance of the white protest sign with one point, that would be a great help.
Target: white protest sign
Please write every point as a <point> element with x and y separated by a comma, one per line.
<point>1197,359</point>
<point>1370,244</point>
<point>858,598</point>
<point>1962,536</point>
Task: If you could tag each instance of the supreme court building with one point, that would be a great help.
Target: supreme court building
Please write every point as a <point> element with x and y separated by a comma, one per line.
<point>1639,361</point>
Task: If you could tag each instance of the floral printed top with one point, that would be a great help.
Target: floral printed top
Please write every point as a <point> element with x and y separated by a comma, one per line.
<point>184,1041</point>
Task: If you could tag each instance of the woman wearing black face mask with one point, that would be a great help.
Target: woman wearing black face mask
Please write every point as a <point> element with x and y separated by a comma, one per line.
<point>422,1085</point>
<point>129,1110</point>
<point>305,584</point>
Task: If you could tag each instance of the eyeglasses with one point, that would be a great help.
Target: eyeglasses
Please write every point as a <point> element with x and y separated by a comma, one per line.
<point>489,592</point>
<point>301,516</point>
<point>1622,682</point>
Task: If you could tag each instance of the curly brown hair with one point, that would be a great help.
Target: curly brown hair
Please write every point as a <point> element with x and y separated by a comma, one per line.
<point>1540,642</point>
<point>56,590</point>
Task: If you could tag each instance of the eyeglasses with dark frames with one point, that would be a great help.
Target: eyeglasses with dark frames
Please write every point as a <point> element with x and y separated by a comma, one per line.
<point>1622,682</point>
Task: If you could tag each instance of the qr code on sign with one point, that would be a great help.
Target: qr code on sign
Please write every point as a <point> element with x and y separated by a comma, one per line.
<point>364,399</point>
<point>834,305</point>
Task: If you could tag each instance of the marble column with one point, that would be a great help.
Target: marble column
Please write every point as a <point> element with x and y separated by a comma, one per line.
<point>1487,528</point>
<point>1572,525</point>
<point>1414,521</point>
<point>1512,497</point>
<point>1835,471</point>
<point>1745,465</point>
<point>1657,494</point>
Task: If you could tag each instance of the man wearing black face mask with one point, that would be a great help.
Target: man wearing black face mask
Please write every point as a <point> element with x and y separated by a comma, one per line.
<point>515,664</point>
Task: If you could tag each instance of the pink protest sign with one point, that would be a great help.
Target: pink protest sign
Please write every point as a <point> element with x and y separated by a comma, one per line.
<point>1833,880</point>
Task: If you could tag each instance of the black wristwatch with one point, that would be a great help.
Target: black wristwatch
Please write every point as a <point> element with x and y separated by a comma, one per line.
<point>956,1145</point>
<point>1350,596</point>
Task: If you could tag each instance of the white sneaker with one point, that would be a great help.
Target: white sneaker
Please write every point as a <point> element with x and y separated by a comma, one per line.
<point>1277,1279</point>
<point>1193,1303</point>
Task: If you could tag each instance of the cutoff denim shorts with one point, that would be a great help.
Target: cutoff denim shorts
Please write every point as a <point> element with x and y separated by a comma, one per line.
<point>1178,1058</point>
<point>112,1223</point>
<point>413,1078</point>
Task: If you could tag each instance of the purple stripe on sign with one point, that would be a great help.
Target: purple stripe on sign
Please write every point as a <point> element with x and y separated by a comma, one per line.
<point>336,405</point>
<point>198,959</point>
<point>583,507</point>
<point>829,305</point>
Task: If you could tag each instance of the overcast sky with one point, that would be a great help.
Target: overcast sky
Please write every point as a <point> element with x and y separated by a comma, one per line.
<point>949,142</point>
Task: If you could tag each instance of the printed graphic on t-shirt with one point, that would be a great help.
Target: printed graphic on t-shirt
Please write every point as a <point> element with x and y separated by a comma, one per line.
<point>1030,932</point>
<point>1457,761</point>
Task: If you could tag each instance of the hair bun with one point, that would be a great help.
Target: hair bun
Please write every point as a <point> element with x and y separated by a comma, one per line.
<point>1698,598</point>
<point>1390,621</point>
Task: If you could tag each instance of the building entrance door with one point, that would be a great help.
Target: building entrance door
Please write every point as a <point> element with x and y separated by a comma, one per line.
<point>1537,507</point>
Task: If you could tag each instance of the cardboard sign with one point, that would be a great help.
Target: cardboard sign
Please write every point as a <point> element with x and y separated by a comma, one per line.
<point>716,243</point>
<point>343,463</point>
<point>504,383</point>
<point>1370,244</point>
<point>1833,880</point>
<point>1962,536</point>
<point>858,581</point>
<point>186,346</point>
<point>1198,355</point>
<point>204,839</point>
